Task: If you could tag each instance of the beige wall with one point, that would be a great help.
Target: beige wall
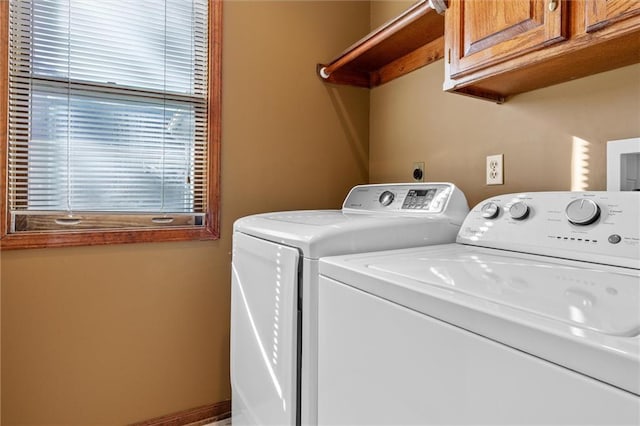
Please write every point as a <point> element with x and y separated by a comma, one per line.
<point>115,334</point>
<point>541,133</point>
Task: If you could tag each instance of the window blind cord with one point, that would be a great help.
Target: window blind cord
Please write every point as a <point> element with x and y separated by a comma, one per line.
<point>69,186</point>
<point>190,153</point>
<point>164,114</point>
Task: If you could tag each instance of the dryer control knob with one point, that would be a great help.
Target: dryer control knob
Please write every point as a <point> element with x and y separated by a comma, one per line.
<point>386,198</point>
<point>490,210</point>
<point>583,211</point>
<point>519,210</point>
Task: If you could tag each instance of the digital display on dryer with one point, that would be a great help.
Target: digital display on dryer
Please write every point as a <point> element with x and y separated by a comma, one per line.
<point>419,199</point>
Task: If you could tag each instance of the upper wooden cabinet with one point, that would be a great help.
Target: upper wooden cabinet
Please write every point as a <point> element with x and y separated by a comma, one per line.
<point>603,13</point>
<point>486,32</point>
<point>498,48</point>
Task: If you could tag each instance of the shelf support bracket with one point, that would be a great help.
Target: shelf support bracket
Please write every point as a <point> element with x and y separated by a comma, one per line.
<point>439,6</point>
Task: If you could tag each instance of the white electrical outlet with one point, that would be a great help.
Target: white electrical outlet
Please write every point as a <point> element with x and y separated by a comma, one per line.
<point>495,170</point>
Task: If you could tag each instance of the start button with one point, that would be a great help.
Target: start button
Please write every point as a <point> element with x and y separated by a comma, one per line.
<point>614,238</point>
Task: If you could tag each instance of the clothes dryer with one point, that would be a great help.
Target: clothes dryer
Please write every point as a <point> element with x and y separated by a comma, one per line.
<point>531,317</point>
<point>274,286</point>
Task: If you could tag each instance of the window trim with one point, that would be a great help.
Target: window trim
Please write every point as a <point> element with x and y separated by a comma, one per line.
<point>211,229</point>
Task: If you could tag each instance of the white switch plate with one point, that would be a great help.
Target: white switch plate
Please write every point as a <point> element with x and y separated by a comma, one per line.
<point>495,170</point>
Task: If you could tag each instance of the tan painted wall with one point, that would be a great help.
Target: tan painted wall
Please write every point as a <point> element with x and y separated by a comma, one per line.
<point>541,133</point>
<point>116,334</point>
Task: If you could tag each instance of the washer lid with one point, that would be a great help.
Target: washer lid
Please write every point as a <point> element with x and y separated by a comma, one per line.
<point>578,314</point>
<point>585,297</point>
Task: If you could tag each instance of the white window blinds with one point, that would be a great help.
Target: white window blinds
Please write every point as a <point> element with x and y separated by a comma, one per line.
<point>107,113</point>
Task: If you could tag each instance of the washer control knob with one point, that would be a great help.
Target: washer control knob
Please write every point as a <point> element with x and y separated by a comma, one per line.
<point>519,210</point>
<point>582,212</point>
<point>490,210</point>
<point>386,198</point>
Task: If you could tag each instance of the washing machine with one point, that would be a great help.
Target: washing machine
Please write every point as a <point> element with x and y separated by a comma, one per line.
<point>531,317</point>
<point>274,286</point>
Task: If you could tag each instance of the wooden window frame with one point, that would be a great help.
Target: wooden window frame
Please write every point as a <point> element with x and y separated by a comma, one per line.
<point>211,228</point>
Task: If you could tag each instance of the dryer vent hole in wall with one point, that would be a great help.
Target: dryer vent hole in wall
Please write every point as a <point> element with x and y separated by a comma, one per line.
<point>495,170</point>
<point>417,171</point>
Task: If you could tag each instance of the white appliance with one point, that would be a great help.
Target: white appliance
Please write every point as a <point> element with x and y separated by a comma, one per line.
<point>532,317</point>
<point>274,286</point>
<point>623,165</point>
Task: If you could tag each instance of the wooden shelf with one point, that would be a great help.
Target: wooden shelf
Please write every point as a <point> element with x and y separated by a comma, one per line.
<point>404,44</point>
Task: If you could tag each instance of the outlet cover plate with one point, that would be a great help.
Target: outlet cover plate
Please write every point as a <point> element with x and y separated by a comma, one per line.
<point>495,169</point>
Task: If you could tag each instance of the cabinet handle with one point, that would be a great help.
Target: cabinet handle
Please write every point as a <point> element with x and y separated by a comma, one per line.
<point>553,5</point>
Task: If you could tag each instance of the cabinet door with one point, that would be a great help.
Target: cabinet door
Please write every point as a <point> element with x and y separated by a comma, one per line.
<point>481,33</point>
<point>603,13</point>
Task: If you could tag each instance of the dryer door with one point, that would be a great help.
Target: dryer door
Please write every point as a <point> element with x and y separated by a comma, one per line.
<point>264,319</point>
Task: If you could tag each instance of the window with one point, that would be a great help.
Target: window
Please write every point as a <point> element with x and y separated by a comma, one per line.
<point>112,121</point>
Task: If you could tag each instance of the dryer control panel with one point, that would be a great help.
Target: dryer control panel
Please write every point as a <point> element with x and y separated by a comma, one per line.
<point>602,227</point>
<point>413,198</point>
